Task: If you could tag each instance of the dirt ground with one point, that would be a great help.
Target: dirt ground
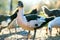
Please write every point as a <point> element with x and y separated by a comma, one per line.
<point>20,34</point>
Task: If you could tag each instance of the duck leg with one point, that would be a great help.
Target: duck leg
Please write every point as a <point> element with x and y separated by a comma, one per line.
<point>11,26</point>
<point>28,36</point>
<point>1,28</point>
<point>34,34</point>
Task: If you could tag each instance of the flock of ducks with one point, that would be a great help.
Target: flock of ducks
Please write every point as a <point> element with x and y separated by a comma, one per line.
<point>31,21</point>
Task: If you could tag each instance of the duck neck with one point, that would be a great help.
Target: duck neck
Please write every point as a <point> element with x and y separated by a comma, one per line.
<point>21,16</point>
<point>21,12</point>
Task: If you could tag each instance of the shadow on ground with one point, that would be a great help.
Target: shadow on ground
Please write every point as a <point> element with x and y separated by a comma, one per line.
<point>23,33</point>
<point>53,38</point>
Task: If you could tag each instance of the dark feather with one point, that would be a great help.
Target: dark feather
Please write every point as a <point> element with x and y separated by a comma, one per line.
<point>32,17</point>
<point>50,13</point>
<point>44,23</point>
<point>55,13</point>
<point>34,11</point>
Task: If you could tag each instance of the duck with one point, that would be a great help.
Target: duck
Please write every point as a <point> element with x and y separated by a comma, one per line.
<point>27,19</point>
<point>30,22</point>
<point>6,20</point>
<point>51,12</point>
<point>54,23</point>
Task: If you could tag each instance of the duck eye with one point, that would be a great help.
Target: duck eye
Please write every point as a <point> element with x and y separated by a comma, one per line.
<point>36,24</point>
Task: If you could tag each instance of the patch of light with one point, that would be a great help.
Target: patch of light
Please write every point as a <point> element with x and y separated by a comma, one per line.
<point>8,20</point>
<point>46,1</point>
<point>30,2</point>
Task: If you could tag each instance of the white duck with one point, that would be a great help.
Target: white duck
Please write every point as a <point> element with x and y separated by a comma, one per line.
<point>54,23</point>
<point>30,22</point>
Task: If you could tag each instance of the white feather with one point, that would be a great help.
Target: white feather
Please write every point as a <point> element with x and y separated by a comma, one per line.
<point>55,22</point>
<point>5,23</point>
<point>9,20</point>
<point>39,21</point>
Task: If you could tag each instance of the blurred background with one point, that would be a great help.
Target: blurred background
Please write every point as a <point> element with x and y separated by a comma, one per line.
<point>6,6</point>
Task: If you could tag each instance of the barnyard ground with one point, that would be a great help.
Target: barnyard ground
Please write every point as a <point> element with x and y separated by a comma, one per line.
<point>21,34</point>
